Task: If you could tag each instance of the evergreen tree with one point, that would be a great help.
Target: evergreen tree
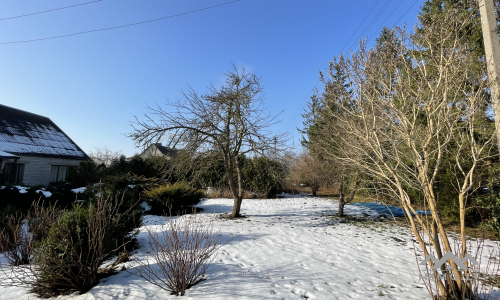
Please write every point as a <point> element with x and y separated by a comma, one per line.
<point>463,9</point>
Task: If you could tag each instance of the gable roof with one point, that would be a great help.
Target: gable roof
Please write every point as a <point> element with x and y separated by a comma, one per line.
<point>25,133</point>
<point>7,155</point>
<point>164,150</point>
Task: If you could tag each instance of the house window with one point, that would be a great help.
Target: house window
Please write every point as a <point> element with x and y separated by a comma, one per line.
<point>14,173</point>
<point>59,174</point>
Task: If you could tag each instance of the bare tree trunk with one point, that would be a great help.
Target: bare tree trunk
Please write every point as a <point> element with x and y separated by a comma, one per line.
<point>341,200</point>
<point>239,195</point>
<point>461,202</point>
<point>232,186</point>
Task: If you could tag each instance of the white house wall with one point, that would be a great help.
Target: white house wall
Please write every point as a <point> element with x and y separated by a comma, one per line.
<point>37,169</point>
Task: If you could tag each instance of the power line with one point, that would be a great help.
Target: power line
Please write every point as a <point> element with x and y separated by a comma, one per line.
<point>294,115</point>
<point>385,20</point>
<point>359,26</point>
<point>367,29</point>
<point>292,123</point>
<point>121,26</point>
<point>50,10</point>
<point>287,124</point>
<point>405,12</point>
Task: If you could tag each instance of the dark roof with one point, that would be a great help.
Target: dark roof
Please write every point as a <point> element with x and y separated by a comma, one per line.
<point>25,133</point>
<point>164,150</point>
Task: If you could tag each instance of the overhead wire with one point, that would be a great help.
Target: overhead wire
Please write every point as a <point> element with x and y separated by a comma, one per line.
<point>290,123</point>
<point>295,123</point>
<point>376,31</point>
<point>301,106</point>
<point>121,26</point>
<point>359,26</point>
<point>370,25</point>
<point>50,10</point>
<point>406,12</point>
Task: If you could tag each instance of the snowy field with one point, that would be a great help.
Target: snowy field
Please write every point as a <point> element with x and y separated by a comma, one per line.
<point>286,249</point>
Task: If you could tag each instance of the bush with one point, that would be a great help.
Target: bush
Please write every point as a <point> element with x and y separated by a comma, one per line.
<point>12,201</point>
<point>264,175</point>
<point>88,172</point>
<point>131,188</point>
<point>91,232</point>
<point>177,196</point>
<point>21,202</point>
<point>492,203</point>
<point>181,252</point>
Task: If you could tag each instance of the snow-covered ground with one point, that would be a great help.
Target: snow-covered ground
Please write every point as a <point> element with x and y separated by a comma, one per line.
<point>286,249</point>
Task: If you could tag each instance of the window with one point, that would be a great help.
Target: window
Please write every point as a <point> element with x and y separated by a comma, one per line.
<point>58,174</point>
<point>14,173</point>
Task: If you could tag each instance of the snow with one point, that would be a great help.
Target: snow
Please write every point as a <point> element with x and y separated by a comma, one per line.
<point>285,249</point>
<point>44,192</point>
<point>38,139</point>
<point>146,206</point>
<point>78,190</point>
<point>5,154</point>
<point>22,189</point>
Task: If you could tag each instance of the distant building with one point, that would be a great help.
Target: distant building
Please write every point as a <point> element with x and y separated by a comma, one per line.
<point>33,150</point>
<point>157,150</point>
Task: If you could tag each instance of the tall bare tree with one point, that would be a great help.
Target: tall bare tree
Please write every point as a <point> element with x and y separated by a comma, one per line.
<point>411,99</point>
<point>230,120</point>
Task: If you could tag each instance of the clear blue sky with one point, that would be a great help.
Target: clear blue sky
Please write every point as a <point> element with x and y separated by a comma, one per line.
<point>92,85</point>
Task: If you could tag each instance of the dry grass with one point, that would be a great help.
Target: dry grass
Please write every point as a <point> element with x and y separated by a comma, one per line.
<point>226,193</point>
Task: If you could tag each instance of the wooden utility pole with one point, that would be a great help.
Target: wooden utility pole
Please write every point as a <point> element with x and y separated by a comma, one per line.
<point>275,142</point>
<point>492,51</point>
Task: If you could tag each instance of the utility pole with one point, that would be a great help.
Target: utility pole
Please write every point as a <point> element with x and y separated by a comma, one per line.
<point>492,51</point>
<point>275,141</point>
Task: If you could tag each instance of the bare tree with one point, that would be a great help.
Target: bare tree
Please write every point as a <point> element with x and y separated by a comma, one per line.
<point>308,170</point>
<point>230,120</point>
<point>405,104</point>
<point>103,155</point>
<point>347,182</point>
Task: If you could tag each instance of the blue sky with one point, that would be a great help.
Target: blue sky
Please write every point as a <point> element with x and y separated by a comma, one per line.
<point>92,85</point>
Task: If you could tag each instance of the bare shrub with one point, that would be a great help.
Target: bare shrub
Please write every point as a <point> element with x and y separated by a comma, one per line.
<point>73,245</point>
<point>181,252</point>
<point>18,238</point>
<point>39,219</point>
<point>481,274</point>
<point>17,243</point>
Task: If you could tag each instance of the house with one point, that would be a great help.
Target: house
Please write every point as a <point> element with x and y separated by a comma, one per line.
<point>157,150</point>
<point>34,150</point>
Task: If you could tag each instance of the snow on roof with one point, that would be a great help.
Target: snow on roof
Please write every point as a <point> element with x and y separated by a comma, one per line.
<point>7,155</point>
<point>27,133</point>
